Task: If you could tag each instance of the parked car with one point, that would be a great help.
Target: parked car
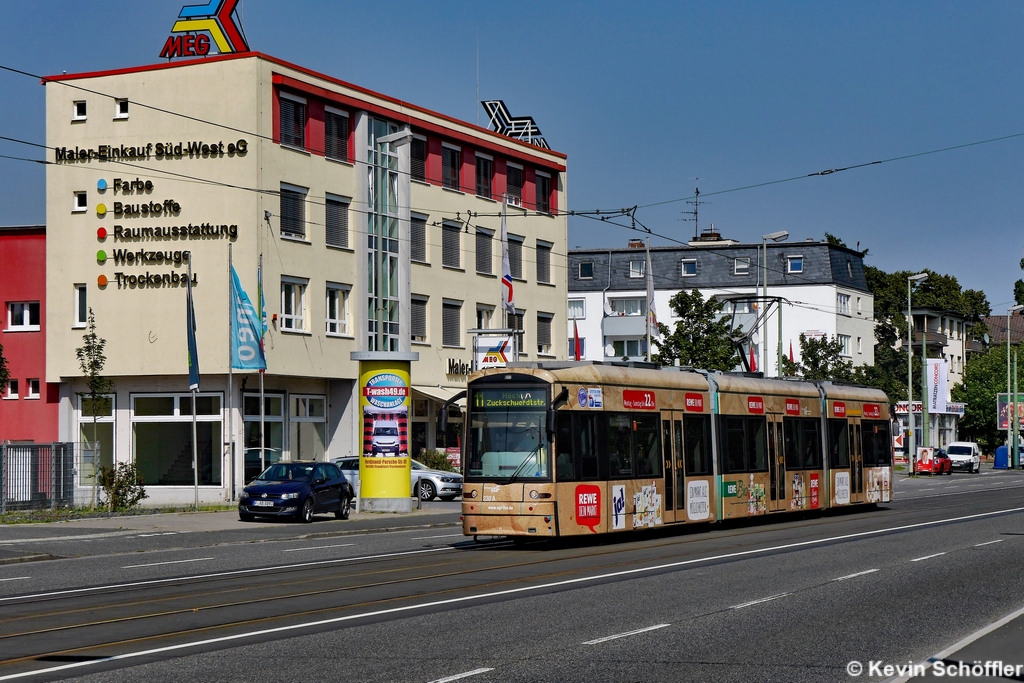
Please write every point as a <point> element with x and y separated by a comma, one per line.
<point>425,482</point>
<point>385,437</point>
<point>965,455</point>
<point>296,489</point>
<point>933,461</point>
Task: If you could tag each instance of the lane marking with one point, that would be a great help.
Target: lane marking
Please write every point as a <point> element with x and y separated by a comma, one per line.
<point>158,564</point>
<point>465,674</point>
<point>459,600</point>
<point>317,547</point>
<point>596,641</point>
<point>926,557</point>
<point>16,578</point>
<point>954,493</point>
<point>422,538</point>
<point>998,540</point>
<point>855,575</point>
<point>760,600</point>
<point>217,575</point>
<point>80,537</point>
<point>161,533</point>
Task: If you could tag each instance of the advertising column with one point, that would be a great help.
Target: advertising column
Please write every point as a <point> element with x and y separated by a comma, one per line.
<point>385,475</point>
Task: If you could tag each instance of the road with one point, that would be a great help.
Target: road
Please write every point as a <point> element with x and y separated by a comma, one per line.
<point>796,600</point>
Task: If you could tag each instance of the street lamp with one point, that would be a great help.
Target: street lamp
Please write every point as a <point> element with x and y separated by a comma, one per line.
<point>779,236</point>
<point>911,450</point>
<point>1011,398</point>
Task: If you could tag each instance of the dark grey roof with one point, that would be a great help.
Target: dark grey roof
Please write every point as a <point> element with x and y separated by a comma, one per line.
<point>823,263</point>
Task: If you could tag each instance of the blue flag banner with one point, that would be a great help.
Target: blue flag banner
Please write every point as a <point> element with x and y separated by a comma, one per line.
<point>246,350</point>
<point>193,354</point>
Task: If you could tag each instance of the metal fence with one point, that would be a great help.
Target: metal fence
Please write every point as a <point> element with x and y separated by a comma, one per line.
<point>36,476</point>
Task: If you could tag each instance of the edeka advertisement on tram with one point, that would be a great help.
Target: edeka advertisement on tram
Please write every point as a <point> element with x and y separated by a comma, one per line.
<point>384,468</point>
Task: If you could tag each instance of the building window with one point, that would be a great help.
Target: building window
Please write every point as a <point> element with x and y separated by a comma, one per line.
<point>577,309</point>
<point>514,180</point>
<point>121,109</point>
<point>336,223</point>
<point>12,389</point>
<point>544,333</point>
<point>636,268</point>
<point>307,428</point>
<point>849,268</point>
<point>741,266</point>
<point>96,434</point>
<point>81,306</point>
<point>517,321</point>
<point>844,340</point>
<point>484,176</point>
<point>843,303</point>
<point>33,388</point>
<point>418,239</point>
<point>794,264</point>
<point>586,270</point>
<point>293,121</point>
<point>293,211</point>
<point>515,257</point>
<point>484,240</point>
<point>543,192</point>
<point>451,161</point>
<point>337,309</point>
<point>418,159</point>
<point>78,110</point>
<point>632,348</point>
<point>23,316</point>
<point>688,267</point>
<point>273,432</point>
<point>293,305</point>
<point>162,438</point>
<point>81,202</point>
<point>451,323</point>
<point>636,306</point>
<point>860,345</point>
<point>543,262</point>
<point>418,315</point>
<point>451,236</point>
<point>484,315</point>
<point>858,306</point>
<point>336,135</point>
<point>572,348</point>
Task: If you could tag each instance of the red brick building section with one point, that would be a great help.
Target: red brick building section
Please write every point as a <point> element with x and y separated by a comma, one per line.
<point>28,408</point>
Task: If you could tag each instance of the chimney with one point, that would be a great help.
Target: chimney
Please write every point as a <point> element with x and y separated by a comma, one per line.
<point>636,244</point>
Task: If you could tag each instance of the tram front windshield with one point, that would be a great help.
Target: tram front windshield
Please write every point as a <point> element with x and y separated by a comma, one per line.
<point>507,436</point>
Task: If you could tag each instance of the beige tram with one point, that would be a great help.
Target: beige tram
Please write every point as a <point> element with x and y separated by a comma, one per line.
<point>560,449</point>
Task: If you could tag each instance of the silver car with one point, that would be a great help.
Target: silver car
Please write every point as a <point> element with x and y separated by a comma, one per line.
<point>426,483</point>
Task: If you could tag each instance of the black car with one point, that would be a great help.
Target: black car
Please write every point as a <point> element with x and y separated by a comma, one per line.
<point>299,489</point>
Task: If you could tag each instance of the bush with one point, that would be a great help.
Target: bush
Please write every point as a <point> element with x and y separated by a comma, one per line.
<point>436,460</point>
<point>122,486</point>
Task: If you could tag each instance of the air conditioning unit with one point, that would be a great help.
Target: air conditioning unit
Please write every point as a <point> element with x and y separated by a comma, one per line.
<point>515,201</point>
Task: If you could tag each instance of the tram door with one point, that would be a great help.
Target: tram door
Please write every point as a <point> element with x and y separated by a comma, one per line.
<point>776,465</point>
<point>856,462</point>
<point>673,457</point>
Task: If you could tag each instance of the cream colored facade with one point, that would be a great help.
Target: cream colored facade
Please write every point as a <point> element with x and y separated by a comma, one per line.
<point>233,104</point>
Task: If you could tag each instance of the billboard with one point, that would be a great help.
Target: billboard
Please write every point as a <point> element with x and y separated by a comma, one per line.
<point>1003,410</point>
<point>384,399</point>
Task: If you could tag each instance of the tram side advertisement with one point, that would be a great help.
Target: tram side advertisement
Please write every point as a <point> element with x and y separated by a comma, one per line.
<point>384,468</point>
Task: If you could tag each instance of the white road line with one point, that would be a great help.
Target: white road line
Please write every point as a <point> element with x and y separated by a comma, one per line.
<point>422,538</point>
<point>595,641</point>
<point>998,540</point>
<point>855,575</point>
<point>158,564</point>
<point>465,674</point>
<point>16,578</point>
<point>217,575</point>
<point>318,547</point>
<point>161,533</point>
<point>759,601</point>
<point>49,539</point>
<point>454,601</point>
<point>926,557</point>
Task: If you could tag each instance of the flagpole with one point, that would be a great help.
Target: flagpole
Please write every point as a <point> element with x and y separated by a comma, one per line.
<point>259,296</point>
<point>231,384</point>
<point>649,296</point>
<point>195,438</point>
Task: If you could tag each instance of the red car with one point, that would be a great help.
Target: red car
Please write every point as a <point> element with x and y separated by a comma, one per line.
<point>933,461</point>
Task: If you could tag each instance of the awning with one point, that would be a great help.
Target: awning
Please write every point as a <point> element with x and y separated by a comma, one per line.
<point>440,394</point>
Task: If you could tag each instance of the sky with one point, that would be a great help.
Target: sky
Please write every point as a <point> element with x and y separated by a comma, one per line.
<point>650,100</point>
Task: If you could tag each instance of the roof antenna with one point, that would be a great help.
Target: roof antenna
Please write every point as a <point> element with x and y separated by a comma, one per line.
<point>696,208</point>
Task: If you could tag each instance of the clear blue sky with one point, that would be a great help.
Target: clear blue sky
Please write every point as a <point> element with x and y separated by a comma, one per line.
<point>644,97</point>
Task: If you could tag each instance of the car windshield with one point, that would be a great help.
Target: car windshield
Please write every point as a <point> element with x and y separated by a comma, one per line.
<point>385,431</point>
<point>507,438</point>
<point>959,450</point>
<point>287,472</point>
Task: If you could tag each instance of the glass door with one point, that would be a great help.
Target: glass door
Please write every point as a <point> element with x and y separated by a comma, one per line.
<point>776,466</point>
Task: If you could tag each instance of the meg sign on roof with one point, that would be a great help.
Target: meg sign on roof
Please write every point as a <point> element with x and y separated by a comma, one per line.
<point>198,24</point>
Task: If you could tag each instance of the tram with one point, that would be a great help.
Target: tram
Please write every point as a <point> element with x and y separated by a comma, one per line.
<point>574,448</point>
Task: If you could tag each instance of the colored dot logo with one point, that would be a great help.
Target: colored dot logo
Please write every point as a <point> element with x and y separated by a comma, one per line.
<point>101,233</point>
<point>102,280</point>
<point>101,210</point>
<point>101,185</point>
<point>101,256</point>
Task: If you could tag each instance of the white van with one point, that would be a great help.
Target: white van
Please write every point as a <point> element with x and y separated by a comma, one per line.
<point>385,437</point>
<point>965,456</point>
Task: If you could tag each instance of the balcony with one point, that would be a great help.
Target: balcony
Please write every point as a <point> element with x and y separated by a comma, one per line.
<point>931,338</point>
<point>624,326</point>
<point>974,346</point>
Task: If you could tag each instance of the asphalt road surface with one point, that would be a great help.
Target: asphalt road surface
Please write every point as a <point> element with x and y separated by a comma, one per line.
<point>795,600</point>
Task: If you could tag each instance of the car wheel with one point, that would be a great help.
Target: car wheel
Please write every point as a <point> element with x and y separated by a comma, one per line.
<point>344,507</point>
<point>426,490</point>
<point>246,517</point>
<point>307,511</point>
<point>977,470</point>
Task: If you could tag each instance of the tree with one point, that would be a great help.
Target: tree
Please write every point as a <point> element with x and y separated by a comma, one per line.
<point>984,377</point>
<point>820,358</point>
<point>91,359</point>
<point>701,338</point>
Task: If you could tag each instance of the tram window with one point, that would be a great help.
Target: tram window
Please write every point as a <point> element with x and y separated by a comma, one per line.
<point>680,473</point>
<point>877,444</point>
<point>757,446</point>
<point>646,449</point>
<point>802,443</point>
<point>734,444</point>
<point>698,441</point>
<point>565,468</point>
<point>838,443</point>
<point>744,444</point>
<point>586,448</point>
<point>618,440</point>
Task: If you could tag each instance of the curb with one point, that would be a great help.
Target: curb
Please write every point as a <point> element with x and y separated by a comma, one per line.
<point>28,558</point>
